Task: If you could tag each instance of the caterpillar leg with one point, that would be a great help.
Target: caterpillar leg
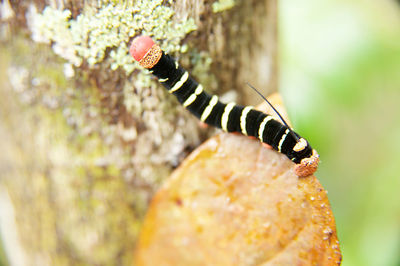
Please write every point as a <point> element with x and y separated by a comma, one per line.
<point>265,145</point>
<point>203,125</point>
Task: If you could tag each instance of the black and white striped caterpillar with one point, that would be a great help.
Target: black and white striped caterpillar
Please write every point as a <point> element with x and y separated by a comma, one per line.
<point>229,117</point>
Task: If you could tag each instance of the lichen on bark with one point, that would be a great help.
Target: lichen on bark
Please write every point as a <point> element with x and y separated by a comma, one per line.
<point>101,139</point>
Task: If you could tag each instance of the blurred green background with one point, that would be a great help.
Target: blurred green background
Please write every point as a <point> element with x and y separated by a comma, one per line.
<point>340,79</point>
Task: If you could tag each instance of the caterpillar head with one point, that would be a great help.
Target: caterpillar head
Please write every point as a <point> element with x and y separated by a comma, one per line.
<point>145,51</point>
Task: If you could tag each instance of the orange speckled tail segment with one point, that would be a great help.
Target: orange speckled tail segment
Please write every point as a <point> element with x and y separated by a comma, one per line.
<point>229,117</point>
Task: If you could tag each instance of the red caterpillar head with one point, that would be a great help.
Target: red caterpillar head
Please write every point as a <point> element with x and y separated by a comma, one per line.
<point>145,51</point>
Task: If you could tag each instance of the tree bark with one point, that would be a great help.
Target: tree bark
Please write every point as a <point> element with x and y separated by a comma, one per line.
<point>83,153</point>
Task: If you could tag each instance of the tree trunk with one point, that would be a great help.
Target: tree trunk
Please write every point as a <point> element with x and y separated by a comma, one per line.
<point>87,136</point>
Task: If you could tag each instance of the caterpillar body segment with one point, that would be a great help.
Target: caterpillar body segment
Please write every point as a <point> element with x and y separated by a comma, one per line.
<point>229,117</point>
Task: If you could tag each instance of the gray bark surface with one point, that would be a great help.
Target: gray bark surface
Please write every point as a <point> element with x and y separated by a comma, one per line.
<point>83,155</point>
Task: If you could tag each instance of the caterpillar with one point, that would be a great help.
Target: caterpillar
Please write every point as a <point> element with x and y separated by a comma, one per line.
<point>229,117</point>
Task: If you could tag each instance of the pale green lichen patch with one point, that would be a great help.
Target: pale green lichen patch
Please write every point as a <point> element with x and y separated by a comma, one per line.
<point>123,112</point>
<point>98,30</point>
<point>100,36</point>
<point>222,5</point>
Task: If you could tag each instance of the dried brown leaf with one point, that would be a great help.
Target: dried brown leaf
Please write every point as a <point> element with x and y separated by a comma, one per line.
<point>235,202</point>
